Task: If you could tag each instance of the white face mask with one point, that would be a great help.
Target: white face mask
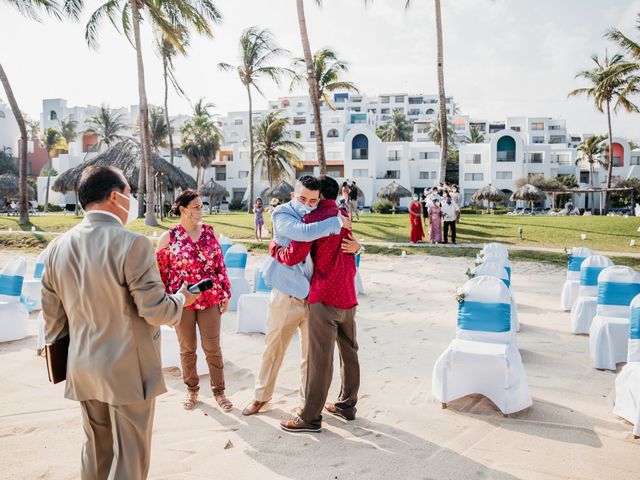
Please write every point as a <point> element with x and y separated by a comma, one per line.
<point>132,213</point>
<point>301,208</point>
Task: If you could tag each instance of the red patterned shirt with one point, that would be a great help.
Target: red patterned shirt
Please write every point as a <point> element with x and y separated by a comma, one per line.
<point>184,260</point>
<point>334,271</point>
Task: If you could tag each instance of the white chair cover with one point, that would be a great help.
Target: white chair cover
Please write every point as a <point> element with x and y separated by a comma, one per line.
<point>496,257</point>
<point>584,308</point>
<point>627,401</point>
<point>32,287</point>
<point>170,350</point>
<point>358,280</point>
<point>236,262</point>
<point>609,333</point>
<point>571,286</point>
<point>225,244</point>
<point>483,358</point>
<point>253,308</point>
<point>13,314</point>
<point>492,268</point>
<point>497,248</point>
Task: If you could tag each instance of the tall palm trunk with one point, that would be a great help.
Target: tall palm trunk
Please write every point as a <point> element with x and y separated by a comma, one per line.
<point>610,166</point>
<point>314,94</point>
<point>22,147</point>
<point>591,183</point>
<point>46,193</point>
<point>252,167</point>
<point>166,105</point>
<point>444,142</point>
<point>150,218</point>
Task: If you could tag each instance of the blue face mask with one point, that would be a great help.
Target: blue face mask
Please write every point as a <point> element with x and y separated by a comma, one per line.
<point>301,208</point>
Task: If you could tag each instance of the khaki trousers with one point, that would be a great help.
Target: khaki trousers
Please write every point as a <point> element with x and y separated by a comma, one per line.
<point>353,208</point>
<point>327,325</point>
<point>117,443</point>
<point>208,322</point>
<point>286,315</point>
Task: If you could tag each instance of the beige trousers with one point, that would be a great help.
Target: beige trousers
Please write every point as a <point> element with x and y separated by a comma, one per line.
<point>286,315</point>
<point>117,443</point>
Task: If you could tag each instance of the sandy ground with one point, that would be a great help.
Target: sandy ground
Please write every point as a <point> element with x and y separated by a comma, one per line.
<point>405,320</point>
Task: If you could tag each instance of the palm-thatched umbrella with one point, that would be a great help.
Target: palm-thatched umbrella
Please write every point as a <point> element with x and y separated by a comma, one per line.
<point>529,193</point>
<point>9,186</point>
<point>281,191</point>
<point>490,194</point>
<point>126,156</point>
<point>213,190</point>
<point>394,192</point>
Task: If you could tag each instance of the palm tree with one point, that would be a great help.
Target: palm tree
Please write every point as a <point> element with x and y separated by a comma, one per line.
<point>632,47</point>
<point>170,17</point>
<point>436,134</point>
<point>590,150</point>
<point>398,129</point>
<point>275,150</point>
<point>257,51</point>
<point>159,131</point>
<point>31,9</point>
<point>108,126</point>
<point>328,68</point>
<point>168,52</point>
<point>201,140</point>
<point>68,129</point>
<point>52,142</point>
<point>475,135</point>
<point>612,81</point>
<point>34,129</point>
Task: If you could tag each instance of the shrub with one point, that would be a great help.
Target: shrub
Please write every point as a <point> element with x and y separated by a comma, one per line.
<point>382,206</point>
<point>236,204</point>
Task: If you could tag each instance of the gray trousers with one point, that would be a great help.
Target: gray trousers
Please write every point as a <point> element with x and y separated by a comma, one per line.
<point>117,443</point>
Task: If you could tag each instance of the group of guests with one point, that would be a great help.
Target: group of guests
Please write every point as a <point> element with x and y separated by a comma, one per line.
<point>108,291</point>
<point>349,197</point>
<point>435,208</point>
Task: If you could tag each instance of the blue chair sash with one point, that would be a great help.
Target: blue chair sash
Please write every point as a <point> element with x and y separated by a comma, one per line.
<point>506,281</point>
<point>357,261</point>
<point>37,273</point>
<point>224,247</point>
<point>261,285</point>
<point>484,317</point>
<point>589,276</point>
<point>574,263</point>
<point>616,293</point>
<point>11,285</point>
<point>634,331</point>
<point>235,260</point>
<point>508,269</point>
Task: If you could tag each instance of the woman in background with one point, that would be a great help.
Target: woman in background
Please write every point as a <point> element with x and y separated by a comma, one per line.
<point>435,222</point>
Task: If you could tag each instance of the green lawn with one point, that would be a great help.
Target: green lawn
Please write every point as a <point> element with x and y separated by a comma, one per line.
<point>603,233</point>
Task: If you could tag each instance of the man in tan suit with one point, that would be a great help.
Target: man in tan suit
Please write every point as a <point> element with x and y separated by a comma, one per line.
<point>102,287</point>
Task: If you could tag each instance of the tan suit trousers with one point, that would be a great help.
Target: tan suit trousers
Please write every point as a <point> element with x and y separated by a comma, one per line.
<point>286,315</point>
<point>117,443</point>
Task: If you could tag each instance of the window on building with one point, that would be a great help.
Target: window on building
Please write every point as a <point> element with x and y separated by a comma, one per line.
<point>563,159</point>
<point>243,155</point>
<point>459,127</point>
<point>392,174</point>
<point>227,157</point>
<point>428,155</point>
<point>360,147</point>
<point>421,131</point>
<point>635,160</point>
<point>2,114</point>
<point>536,157</point>
<point>300,104</point>
<point>299,121</point>
<point>333,155</point>
<point>395,155</point>
<point>515,129</point>
<point>415,100</point>
<point>53,115</point>
<point>360,172</point>
<point>221,174</point>
<point>312,134</point>
<point>536,126</point>
<point>430,111</point>
<point>384,99</point>
<point>506,149</point>
<point>310,155</point>
<point>243,173</point>
<point>234,134</point>
<point>537,140</point>
<point>506,175</point>
<point>238,194</point>
<point>473,158</point>
<point>414,111</point>
<point>584,177</point>
<point>400,99</point>
<point>334,173</point>
<point>355,109</point>
<point>427,175</point>
<point>384,111</point>
<point>333,133</point>
<point>617,161</point>
<point>237,121</point>
<point>298,134</point>
<point>555,127</point>
<point>494,128</point>
<point>557,139</point>
<point>473,177</point>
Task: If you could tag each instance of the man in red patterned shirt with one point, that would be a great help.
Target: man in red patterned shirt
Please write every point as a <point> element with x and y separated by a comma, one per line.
<point>332,307</point>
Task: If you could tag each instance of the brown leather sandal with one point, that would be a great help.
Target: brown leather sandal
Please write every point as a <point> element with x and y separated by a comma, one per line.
<point>190,400</point>
<point>254,407</point>
<point>224,403</point>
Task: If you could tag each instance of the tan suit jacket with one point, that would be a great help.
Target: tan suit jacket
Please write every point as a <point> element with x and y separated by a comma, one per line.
<point>101,284</point>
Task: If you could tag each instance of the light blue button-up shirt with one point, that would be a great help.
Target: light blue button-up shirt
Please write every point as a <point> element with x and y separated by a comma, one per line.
<point>288,226</point>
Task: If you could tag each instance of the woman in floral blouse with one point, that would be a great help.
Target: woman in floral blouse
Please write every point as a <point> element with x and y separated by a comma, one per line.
<point>189,252</point>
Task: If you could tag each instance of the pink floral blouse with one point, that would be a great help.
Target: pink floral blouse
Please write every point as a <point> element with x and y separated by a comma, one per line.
<point>184,260</point>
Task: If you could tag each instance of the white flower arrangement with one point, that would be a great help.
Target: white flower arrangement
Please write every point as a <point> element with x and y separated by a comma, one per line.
<point>460,295</point>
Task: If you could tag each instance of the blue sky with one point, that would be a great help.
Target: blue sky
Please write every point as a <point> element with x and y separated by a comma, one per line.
<point>502,57</point>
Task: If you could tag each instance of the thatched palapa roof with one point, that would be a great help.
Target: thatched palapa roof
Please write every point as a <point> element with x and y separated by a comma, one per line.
<point>489,193</point>
<point>213,189</point>
<point>10,186</point>
<point>126,156</point>
<point>529,193</point>
<point>393,192</point>
<point>281,191</point>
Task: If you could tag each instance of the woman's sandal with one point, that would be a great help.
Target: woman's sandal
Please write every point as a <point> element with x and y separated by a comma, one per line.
<point>224,403</point>
<point>190,400</point>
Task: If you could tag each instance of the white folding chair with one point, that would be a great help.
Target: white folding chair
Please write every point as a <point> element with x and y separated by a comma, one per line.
<point>584,308</point>
<point>609,333</point>
<point>13,313</point>
<point>236,262</point>
<point>498,258</point>
<point>627,401</point>
<point>572,284</point>
<point>170,350</point>
<point>253,308</point>
<point>495,248</point>
<point>32,287</point>
<point>225,244</point>
<point>483,358</point>
<point>492,268</point>
<point>358,279</point>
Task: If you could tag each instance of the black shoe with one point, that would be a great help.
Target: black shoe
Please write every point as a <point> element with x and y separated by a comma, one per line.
<point>338,412</point>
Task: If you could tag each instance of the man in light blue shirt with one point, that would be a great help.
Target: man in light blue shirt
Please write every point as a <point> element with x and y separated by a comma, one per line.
<point>290,286</point>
